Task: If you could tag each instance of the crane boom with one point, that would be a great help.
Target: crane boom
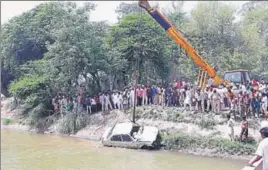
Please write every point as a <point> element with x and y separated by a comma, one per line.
<point>179,39</point>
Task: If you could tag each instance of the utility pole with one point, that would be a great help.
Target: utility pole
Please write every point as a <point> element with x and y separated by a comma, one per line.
<point>136,74</point>
<point>135,96</point>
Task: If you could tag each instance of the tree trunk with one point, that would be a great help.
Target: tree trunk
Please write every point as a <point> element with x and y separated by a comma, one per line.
<point>96,77</point>
<point>124,77</point>
<point>4,91</point>
<point>114,79</point>
<point>6,77</point>
<point>139,71</point>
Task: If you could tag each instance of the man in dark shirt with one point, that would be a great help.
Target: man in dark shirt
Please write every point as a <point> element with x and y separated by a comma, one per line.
<point>88,105</point>
<point>150,95</point>
<point>154,94</point>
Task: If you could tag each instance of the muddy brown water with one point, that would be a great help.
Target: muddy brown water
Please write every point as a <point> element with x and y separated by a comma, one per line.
<point>27,151</point>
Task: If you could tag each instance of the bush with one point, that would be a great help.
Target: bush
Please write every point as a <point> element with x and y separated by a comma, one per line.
<point>185,143</point>
<point>37,114</point>
<point>71,123</point>
<point>7,121</point>
<point>32,90</point>
<point>206,123</point>
<point>26,85</point>
<point>11,104</point>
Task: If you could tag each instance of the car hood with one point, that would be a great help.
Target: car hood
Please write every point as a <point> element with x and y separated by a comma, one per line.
<point>149,134</point>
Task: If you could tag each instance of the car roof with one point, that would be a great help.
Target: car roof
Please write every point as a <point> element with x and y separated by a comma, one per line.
<point>236,70</point>
<point>122,128</point>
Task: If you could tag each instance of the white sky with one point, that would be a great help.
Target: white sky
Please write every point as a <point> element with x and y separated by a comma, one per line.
<point>105,9</point>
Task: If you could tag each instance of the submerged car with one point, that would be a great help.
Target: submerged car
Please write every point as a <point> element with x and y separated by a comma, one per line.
<point>130,135</point>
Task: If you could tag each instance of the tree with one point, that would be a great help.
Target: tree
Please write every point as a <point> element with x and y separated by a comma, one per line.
<point>126,8</point>
<point>213,33</point>
<point>75,51</point>
<point>142,42</point>
<point>254,28</point>
<point>24,38</point>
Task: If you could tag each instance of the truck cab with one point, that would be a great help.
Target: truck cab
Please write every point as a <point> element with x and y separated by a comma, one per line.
<point>237,76</point>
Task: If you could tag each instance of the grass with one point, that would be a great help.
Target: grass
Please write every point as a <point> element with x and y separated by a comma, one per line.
<point>205,122</point>
<point>218,145</point>
<point>7,121</point>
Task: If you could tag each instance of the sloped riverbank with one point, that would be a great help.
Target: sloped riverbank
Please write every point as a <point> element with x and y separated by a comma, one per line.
<point>181,131</point>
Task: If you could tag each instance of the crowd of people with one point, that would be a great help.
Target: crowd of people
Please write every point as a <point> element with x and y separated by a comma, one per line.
<point>248,100</point>
<point>245,100</point>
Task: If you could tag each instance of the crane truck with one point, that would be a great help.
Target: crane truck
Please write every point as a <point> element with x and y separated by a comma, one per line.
<point>233,76</point>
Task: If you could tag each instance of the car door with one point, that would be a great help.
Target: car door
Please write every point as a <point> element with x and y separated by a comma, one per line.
<point>128,142</point>
<point>116,141</point>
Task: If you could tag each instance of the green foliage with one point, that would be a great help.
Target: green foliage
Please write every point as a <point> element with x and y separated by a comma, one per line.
<point>255,31</point>
<point>71,123</point>
<point>32,90</point>
<point>219,146</point>
<point>26,85</point>
<point>7,121</point>
<point>207,123</point>
<point>141,41</point>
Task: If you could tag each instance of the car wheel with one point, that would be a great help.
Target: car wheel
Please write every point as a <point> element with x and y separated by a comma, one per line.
<point>144,147</point>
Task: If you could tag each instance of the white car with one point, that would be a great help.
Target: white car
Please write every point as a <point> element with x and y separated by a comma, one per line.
<point>130,135</point>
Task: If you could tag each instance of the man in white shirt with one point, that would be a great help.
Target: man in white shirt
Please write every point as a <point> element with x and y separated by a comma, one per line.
<point>115,100</point>
<point>262,150</point>
<point>187,100</point>
<point>243,88</point>
<point>132,97</point>
<point>209,101</point>
<point>264,103</point>
<point>216,101</point>
<point>107,102</point>
<point>102,99</point>
<point>120,100</point>
<point>183,83</point>
<point>199,101</point>
<point>210,82</point>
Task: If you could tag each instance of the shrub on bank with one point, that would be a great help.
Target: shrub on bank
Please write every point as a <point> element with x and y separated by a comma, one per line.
<point>72,122</point>
<point>206,123</point>
<point>217,145</point>
<point>7,121</point>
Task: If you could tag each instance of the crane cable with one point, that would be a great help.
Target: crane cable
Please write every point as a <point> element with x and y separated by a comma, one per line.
<point>139,40</point>
<point>137,67</point>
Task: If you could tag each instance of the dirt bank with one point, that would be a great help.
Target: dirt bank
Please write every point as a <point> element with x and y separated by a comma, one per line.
<point>191,125</point>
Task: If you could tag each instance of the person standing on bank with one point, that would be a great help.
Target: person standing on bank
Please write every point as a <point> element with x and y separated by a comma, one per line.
<point>262,150</point>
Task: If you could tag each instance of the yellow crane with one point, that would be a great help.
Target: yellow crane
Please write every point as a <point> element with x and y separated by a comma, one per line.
<point>234,76</point>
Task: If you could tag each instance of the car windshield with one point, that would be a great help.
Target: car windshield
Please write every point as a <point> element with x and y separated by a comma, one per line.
<point>135,129</point>
<point>234,77</point>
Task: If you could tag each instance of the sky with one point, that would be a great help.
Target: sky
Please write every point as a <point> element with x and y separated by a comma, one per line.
<point>105,10</point>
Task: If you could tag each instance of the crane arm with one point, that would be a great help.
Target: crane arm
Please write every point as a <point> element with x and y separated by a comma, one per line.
<point>179,39</point>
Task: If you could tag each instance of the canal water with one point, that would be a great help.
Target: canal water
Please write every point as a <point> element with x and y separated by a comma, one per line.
<point>27,151</point>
